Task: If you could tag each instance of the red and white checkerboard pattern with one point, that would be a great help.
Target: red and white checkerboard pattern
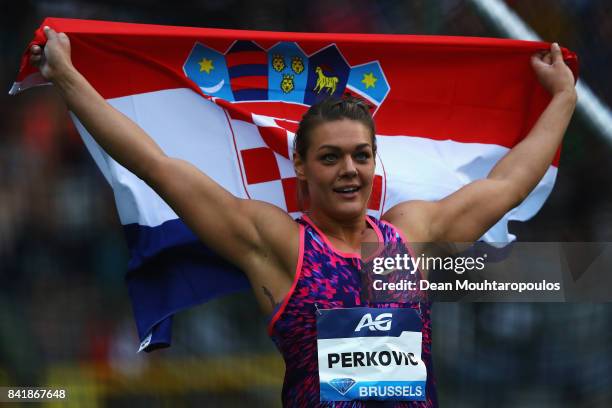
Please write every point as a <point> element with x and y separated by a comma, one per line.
<point>264,151</point>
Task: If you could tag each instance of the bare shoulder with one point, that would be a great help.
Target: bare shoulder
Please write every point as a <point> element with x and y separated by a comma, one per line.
<point>278,233</point>
<point>271,266</point>
<point>413,218</point>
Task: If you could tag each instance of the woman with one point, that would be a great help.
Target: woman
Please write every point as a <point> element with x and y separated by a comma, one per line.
<point>300,267</point>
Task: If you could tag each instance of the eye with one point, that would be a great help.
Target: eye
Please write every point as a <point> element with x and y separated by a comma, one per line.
<point>362,156</point>
<point>329,158</point>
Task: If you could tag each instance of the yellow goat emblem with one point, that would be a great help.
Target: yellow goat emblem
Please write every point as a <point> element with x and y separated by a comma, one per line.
<point>325,82</point>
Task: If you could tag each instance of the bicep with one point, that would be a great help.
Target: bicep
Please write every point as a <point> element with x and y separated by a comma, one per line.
<point>468,213</point>
<point>461,217</point>
<point>413,218</point>
<point>233,227</point>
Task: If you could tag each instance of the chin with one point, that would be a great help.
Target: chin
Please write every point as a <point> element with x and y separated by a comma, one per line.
<point>349,210</point>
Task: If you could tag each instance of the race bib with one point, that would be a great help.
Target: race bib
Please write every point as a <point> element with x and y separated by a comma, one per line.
<point>370,354</point>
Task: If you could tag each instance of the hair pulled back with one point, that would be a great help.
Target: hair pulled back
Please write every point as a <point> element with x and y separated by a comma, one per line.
<point>329,110</point>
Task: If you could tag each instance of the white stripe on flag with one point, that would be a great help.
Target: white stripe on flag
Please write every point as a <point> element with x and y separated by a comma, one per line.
<point>190,127</point>
<point>186,126</point>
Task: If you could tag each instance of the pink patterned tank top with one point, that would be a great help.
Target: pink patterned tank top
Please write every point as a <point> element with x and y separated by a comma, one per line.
<point>326,279</point>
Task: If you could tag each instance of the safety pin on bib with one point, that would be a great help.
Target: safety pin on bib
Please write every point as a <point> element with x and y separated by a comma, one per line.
<point>316,305</point>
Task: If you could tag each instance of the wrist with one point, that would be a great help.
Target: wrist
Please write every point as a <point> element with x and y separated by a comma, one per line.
<point>567,95</point>
<point>66,78</point>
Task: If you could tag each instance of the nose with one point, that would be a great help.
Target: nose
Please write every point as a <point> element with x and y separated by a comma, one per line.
<point>348,167</point>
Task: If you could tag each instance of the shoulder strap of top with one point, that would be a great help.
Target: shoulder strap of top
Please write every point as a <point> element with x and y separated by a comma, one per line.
<point>388,231</point>
<point>313,231</point>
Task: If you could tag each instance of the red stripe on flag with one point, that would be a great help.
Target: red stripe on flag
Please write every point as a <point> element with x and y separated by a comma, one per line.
<point>290,192</point>
<point>469,90</point>
<point>249,82</point>
<point>374,202</point>
<point>276,139</point>
<point>246,57</point>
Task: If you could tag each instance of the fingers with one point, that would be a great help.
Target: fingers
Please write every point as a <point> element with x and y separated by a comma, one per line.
<point>36,51</point>
<point>540,60</point>
<point>554,55</point>
<point>35,54</point>
<point>35,60</point>
<point>53,35</point>
<point>555,52</point>
<point>551,71</point>
<point>548,59</point>
<point>49,33</point>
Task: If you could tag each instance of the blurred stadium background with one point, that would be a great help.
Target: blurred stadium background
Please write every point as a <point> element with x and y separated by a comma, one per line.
<point>65,320</point>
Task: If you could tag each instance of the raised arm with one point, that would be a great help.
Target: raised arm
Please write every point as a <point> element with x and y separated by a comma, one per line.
<point>259,238</point>
<point>467,214</point>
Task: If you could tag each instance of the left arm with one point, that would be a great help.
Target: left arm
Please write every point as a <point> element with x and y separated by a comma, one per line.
<point>467,214</point>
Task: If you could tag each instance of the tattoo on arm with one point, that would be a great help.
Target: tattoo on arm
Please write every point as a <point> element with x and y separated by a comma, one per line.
<point>269,295</point>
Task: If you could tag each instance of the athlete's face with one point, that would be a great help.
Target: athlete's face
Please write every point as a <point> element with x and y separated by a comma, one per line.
<point>339,168</point>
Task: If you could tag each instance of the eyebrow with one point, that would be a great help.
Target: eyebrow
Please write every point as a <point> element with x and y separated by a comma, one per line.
<point>359,146</point>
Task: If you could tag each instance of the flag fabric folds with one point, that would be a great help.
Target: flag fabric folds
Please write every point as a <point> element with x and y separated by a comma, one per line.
<point>229,101</point>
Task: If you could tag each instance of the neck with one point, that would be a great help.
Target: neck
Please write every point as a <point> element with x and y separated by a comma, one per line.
<point>350,231</point>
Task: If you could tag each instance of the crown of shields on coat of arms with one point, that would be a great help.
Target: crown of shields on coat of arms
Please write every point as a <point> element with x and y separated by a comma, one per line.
<point>282,75</point>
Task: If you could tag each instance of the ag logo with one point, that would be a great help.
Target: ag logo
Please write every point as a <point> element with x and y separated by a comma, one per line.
<point>382,322</point>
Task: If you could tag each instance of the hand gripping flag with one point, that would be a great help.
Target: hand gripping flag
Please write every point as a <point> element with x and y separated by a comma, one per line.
<point>446,109</point>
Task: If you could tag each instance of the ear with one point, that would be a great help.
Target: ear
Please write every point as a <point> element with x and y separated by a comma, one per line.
<point>298,166</point>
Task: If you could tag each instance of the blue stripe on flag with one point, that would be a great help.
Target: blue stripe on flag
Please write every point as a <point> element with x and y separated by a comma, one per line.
<point>251,94</point>
<point>244,45</point>
<point>248,70</point>
<point>145,242</point>
<point>163,281</point>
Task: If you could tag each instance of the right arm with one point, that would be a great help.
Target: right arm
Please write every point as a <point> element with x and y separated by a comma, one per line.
<point>258,237</point>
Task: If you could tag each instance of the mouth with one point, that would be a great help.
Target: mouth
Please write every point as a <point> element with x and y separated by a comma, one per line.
<point>347,191</point>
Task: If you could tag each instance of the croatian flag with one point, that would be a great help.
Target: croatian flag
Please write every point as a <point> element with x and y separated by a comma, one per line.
<point>229,101</point>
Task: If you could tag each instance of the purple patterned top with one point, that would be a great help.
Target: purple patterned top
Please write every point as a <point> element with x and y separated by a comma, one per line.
<point>331,279</point>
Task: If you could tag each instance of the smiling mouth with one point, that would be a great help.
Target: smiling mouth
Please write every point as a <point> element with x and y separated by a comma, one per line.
<point>347,190</point>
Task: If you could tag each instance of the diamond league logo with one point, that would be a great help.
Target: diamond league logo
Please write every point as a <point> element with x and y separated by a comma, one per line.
<point>342,385</point>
